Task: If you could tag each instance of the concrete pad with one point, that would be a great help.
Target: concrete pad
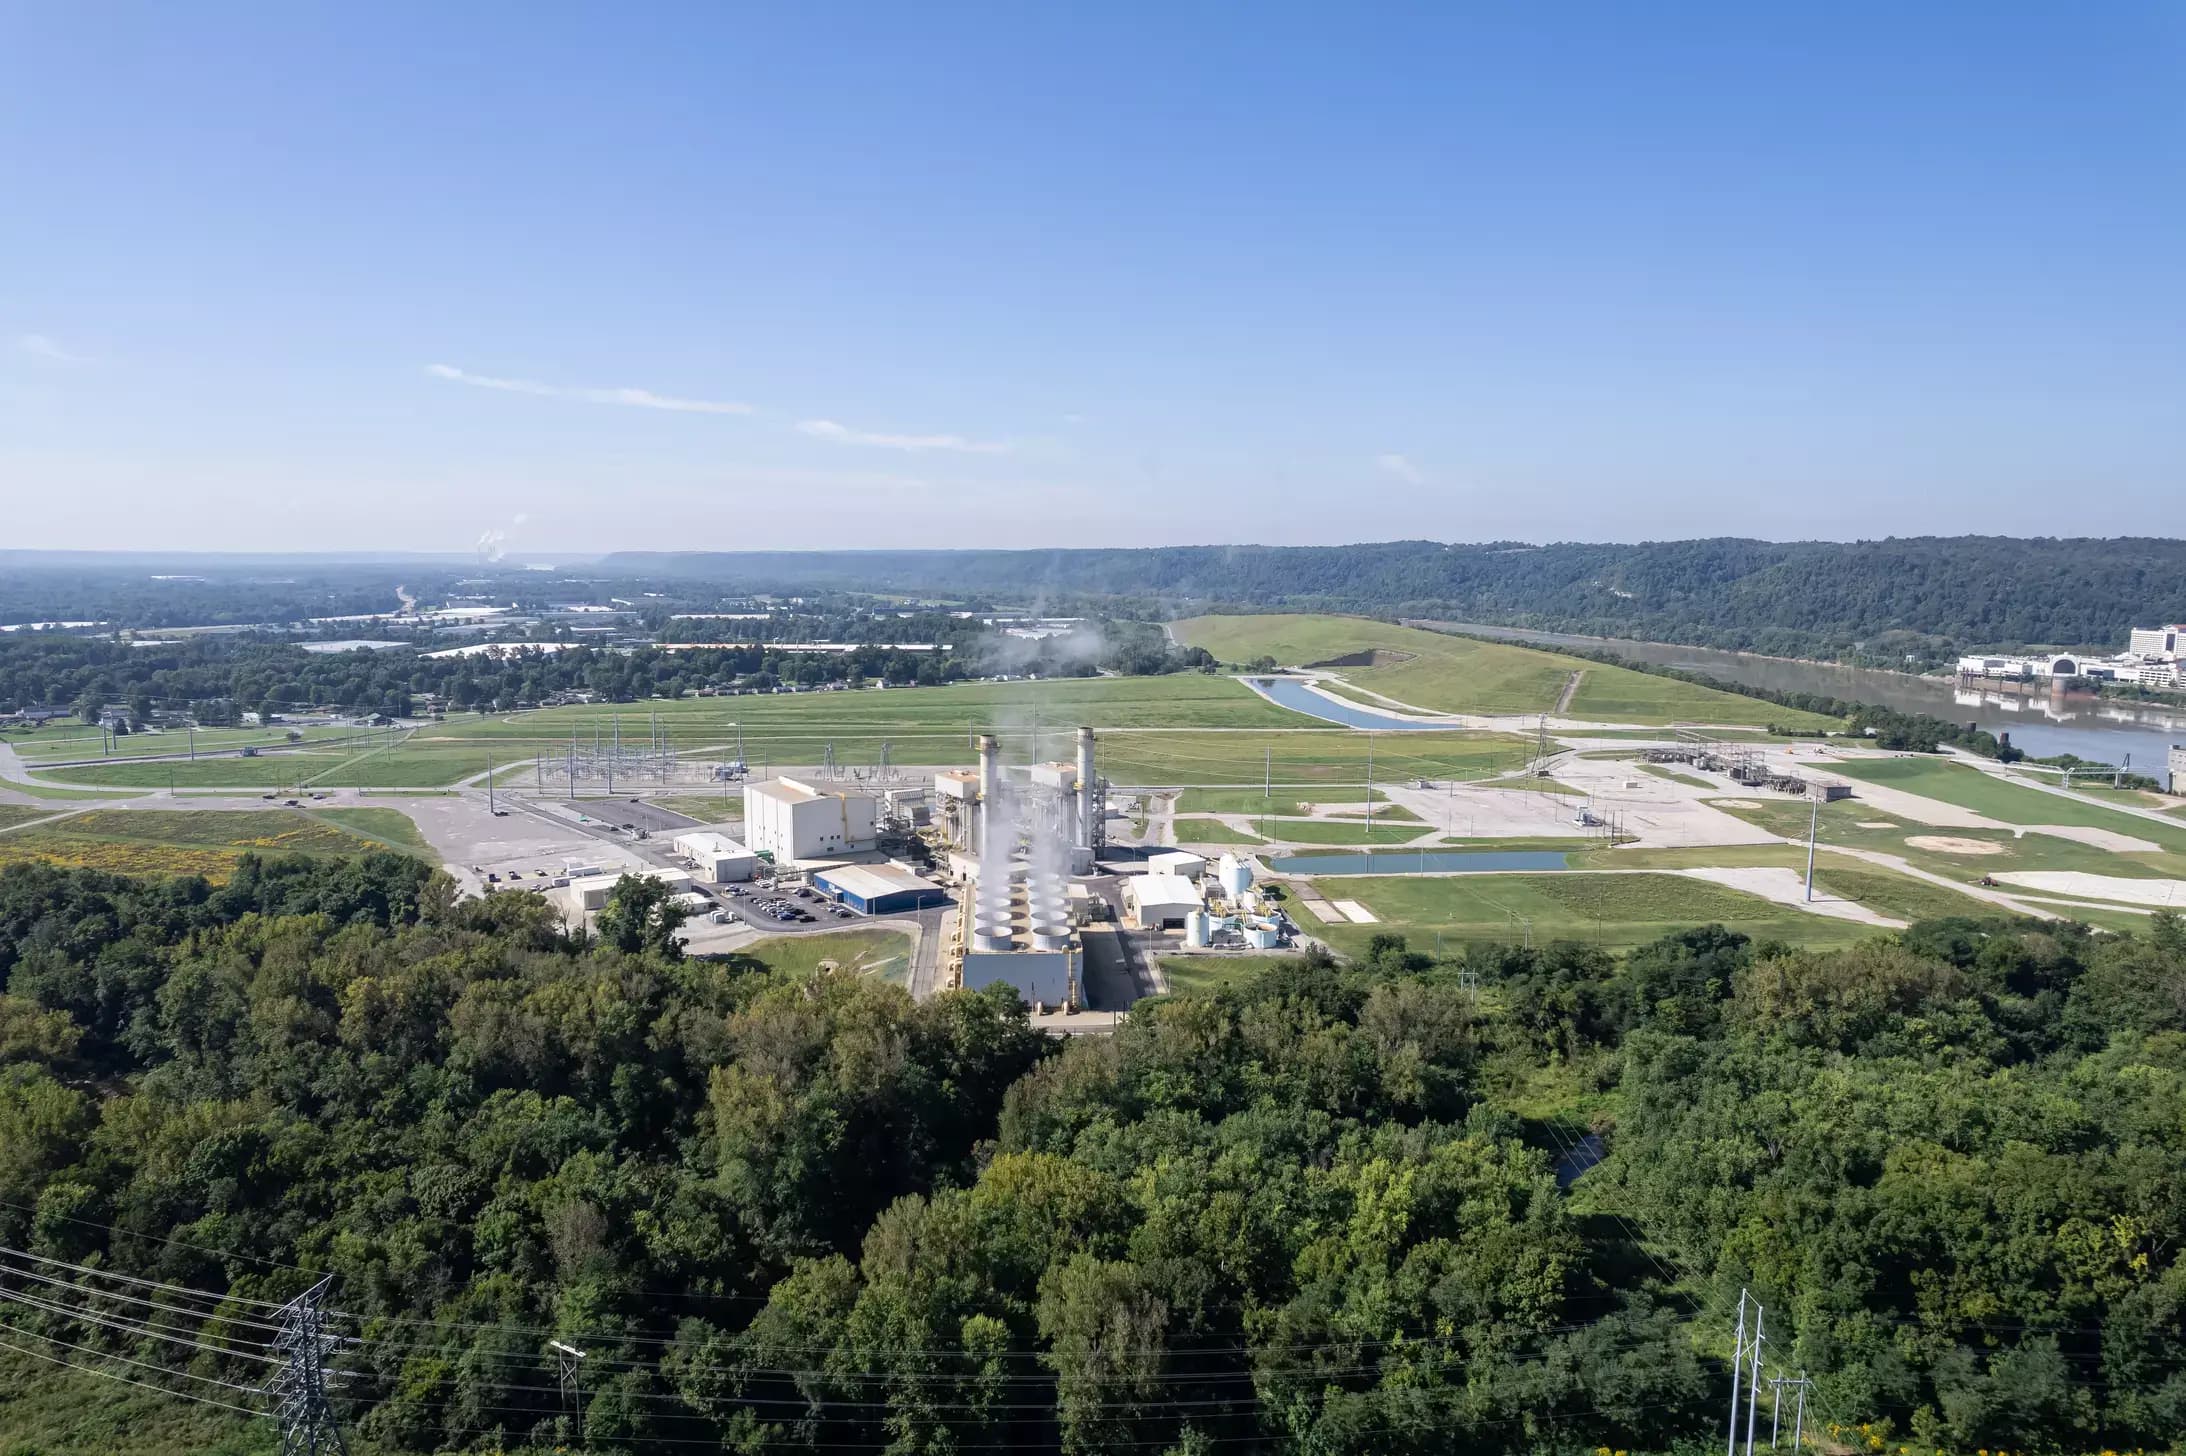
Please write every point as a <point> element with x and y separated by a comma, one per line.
<point>1788,887</point>
<point>2109,839</point>
<point>1356,913</point>
<point>2081,884</point>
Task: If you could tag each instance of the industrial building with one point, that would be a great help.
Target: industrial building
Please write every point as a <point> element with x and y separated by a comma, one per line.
<point>1159,902</point>
<point>1179,862</point>
<point>583,895</point>
<point>878,889</point>
<point>2174,770</point>
<point>715,858</point>
<point>789,821</point>
<point>1060,803</point>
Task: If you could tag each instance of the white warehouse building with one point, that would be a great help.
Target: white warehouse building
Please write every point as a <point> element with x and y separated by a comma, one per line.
<point>715,858</point>
<point>790,820</point>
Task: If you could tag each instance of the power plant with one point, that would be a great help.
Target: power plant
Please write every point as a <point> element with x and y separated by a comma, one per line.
<point>1018,843</point>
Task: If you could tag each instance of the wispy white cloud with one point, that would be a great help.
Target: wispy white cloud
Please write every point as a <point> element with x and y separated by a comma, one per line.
<point>635,398</point>
<point>41,346</point>
<point>1401,467</point>
<point>844,435</point>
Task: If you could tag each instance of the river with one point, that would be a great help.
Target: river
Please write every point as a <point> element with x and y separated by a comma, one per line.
<point>2042,723</point>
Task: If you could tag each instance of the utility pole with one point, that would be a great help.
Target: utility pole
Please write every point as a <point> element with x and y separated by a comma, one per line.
<point>299,1387</point>
<point>1753,1379</point>
<point>1738,1356</point>
<point>1813,824</point>
<point>1267,772</point>
<point>489,785</point>
<point>565,1372</point>
<point>1798,1414</point>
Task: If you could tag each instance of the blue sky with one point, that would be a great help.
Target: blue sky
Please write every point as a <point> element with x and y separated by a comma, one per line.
<point>340,276</point>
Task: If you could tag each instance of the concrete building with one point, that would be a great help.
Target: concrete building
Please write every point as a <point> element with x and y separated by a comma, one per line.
<point>1181,862</point>
<point>2155,641</point>
<point>791,821</point>
<point>1043,978</point>
<point>584,895</point>
<point>1159,902</point>
<point>2174,778</point>
<point>878,889</point>
<point>715,858</point>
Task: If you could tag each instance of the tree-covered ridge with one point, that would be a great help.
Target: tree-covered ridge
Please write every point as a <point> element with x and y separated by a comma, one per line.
<point>1803,598</point>
<point>1317,1212</point>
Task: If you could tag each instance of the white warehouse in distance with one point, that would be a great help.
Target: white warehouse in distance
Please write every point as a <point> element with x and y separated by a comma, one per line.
<point>789,821</point>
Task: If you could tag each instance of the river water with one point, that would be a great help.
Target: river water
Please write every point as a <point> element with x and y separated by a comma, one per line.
<point>2042,723</point>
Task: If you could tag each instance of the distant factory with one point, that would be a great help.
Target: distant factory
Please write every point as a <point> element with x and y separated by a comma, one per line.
<point>2150,659</point>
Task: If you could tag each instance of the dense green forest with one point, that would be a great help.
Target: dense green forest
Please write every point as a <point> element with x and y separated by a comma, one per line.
<point>1927,595</point>
<point>216,678</point>
<point>1317,1212</point>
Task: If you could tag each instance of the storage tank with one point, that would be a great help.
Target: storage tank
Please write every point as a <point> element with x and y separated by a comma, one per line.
<point>1198,929</point>
<point>1263,937</point>
<point>1234,875</point>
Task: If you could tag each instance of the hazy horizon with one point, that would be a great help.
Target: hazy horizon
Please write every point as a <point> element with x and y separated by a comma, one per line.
<point>409,277</point>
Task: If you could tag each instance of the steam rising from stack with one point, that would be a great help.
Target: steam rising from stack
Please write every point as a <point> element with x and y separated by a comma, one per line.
<point>991,915</point>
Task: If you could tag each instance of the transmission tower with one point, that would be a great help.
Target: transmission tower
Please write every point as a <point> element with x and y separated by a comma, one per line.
<point>299,1388</point>
<point>565,1373</point>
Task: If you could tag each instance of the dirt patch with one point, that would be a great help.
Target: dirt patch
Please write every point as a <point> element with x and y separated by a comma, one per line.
<point>1952,844</point>
<point>1371,657</point>
<point>1878,824</point>
<point>2108,839</point>
<point>1736,803</point>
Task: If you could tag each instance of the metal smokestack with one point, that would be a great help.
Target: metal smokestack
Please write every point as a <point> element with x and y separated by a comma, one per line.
<point>990,791</point>
<point>1088,829</point>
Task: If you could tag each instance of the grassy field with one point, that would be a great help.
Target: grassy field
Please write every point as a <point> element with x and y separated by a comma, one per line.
<point>1897,896</point>
<point>1985,793</point>
<point>706,808</point>
<point>1693,780</point>
<point>204,841</point>
<point>1252,801</point>
<point>46,744</point>
<point>1194,974</point>
<point>1184,729</point>
<point>46,1410</point>
<point>1436,671</point>
<point>883,953</point>
<point>1330,831</point>
<point>14,814</point>
<point>1614,911</point>
<point>1212,831</point>
<point>1849,824</point>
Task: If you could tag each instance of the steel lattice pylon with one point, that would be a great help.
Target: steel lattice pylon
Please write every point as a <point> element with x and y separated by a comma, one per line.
<point>299,1389</point>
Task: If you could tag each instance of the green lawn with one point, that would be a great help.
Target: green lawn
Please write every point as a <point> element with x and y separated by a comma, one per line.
<point>1331,831</point>
<point>1846,823</point>
<point>2012,803</point>
<point>1212,831</point>
<point>868,952</point>
<point>1614,910</point>
<point>706,808</point>
<point>14,814</point>
<point>1283,801</point>
<point>1444,673</point>
<point>1898,896</point>
<point>1196,974</point>
<point>46,744</point>
<point>1694,780</point>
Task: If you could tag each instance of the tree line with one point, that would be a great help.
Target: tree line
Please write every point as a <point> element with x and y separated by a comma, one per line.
<point>1322,1210</point>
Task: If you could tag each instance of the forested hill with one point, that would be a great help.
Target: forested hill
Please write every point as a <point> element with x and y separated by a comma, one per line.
<point>1803,597</point>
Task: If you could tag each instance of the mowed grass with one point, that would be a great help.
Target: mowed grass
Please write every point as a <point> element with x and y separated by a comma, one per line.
<point>2001,799</point>
<point>45,744</point>
<point>1282,801</point>
<point>14,814</point>
<point>705,808</point>
<point>1615,911</point>
<point>1192,975</point>
<point>1449,674</point>
<point>1898,896</point>
<point>204,842</point>
<point>882,953</point>
<point>1186,728</point>
<point>1330,831</point>
<point>1850,824</point>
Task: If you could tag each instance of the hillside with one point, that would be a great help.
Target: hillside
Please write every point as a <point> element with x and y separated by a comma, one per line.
<point>1442,673</point>
<point>1800,598</point>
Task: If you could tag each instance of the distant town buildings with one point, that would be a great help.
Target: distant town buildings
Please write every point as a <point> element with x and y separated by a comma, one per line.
<point>2150,659</point>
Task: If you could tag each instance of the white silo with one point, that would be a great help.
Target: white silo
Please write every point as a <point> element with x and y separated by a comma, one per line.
<point>1199,929</point>
<point>1234,874</point>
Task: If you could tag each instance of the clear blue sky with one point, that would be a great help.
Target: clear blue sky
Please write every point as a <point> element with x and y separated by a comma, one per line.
<point>291,276</point>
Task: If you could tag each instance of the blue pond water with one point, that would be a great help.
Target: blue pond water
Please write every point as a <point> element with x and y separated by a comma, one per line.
<point>1292,693</point>
<point>1419,861</point>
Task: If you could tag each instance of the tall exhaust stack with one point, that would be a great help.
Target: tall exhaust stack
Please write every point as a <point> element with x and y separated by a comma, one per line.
<point>1089,829</point>
<point>990,792</point>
